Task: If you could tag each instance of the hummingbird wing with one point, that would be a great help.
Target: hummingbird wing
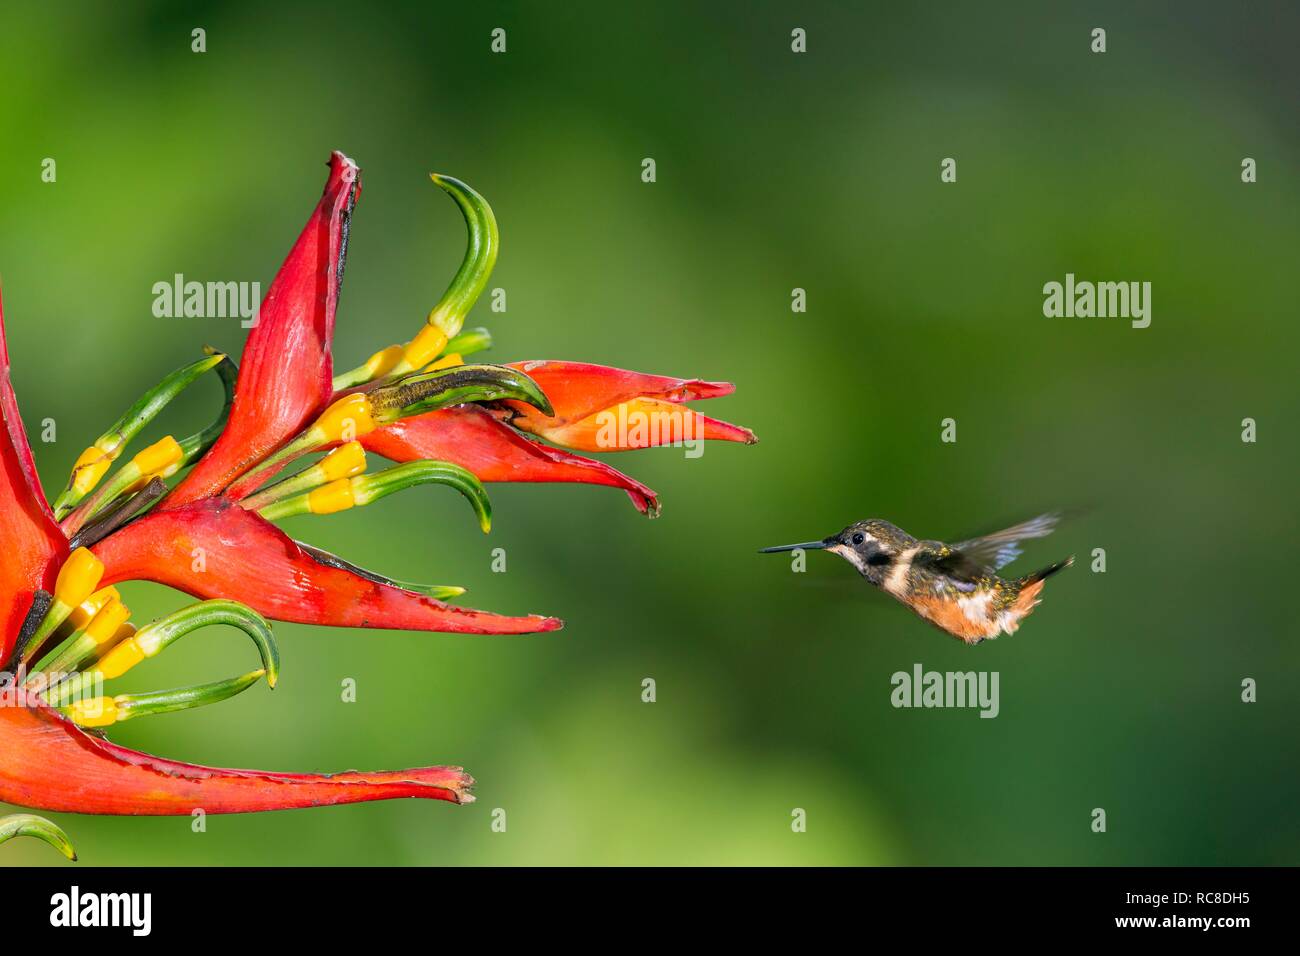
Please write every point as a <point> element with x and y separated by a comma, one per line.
<point>993,551</point>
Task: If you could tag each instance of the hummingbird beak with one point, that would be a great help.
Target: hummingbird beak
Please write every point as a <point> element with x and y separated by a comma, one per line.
<point>806,546</point>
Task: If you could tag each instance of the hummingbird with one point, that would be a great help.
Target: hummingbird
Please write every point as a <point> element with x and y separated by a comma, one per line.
<point>956,587</point>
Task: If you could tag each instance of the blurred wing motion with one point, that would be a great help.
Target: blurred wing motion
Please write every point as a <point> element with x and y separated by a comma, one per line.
<point>994,551</point>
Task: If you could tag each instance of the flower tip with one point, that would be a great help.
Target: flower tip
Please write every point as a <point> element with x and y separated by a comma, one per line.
<point>698,389</point>
<point>462,791</point>
<point>346,166</point>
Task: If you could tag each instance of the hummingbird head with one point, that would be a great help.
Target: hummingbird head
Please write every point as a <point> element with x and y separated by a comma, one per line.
<point>870,546</point>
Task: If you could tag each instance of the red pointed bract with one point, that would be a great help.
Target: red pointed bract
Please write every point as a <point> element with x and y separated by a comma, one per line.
<point>47,763</point>
<point>470,437</point>
<point>285,375</point>
<point>216,549</point>
<point>31,545</point>
<point>599,408</point>
<point>579,389</point>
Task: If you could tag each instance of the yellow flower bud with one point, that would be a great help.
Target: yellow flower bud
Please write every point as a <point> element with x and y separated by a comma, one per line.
<point>327,499</point>
<point>344,462</point>
<point>159,456</point>
<point>121,658</point>
<point>93,712</point>
<point>348,418</point>
<point>424,348</point>
<point>450,360</point>
<point>89,468</point>
<point>78,578</point>
<point>383,361</point>
<point>106,624</point>
<point>83,613</point>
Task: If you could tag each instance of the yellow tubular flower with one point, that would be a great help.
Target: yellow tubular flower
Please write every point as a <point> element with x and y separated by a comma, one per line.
<point>383,361</point>
<point>121,658</point>
<point>350,417</point>
<point>78,578</point>
<point>158,457</point>
<point>424,348</point>
<point>108,622</point>
<point>450,360</point>
<point>93,712</point>
<point>343,462</point>
<point>89,469</point>
<point>124,632</point>
<point>327,499</point>
<point>83,613</point>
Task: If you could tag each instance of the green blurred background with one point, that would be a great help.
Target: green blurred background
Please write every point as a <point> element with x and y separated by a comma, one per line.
<point>775,171</point>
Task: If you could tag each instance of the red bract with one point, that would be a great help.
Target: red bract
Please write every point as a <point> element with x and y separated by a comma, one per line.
<point>242,553</point>
<point>472,437</point>
<point>286,371</point>
<point>32,542</point>
<point>212,535</point>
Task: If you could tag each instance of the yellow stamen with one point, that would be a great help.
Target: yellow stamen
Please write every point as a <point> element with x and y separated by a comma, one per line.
<point>158,457</point>
<point>450,360</point>
<point>343,462</point>
<point>107,623</point>
<point>327,499</point>
<point>84,612</point>
<point>383,361</point>
<point>347,419</point>
<point>121,658</point>
<point>89,469</point>
<point>424,348</point>
<point>78,578</point>
<point>93,712</point>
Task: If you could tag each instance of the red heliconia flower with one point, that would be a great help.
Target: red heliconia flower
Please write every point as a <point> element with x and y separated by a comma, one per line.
<point>64,629</point>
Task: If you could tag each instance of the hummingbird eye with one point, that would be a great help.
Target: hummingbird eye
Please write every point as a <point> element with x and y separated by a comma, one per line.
<point>859,537</point>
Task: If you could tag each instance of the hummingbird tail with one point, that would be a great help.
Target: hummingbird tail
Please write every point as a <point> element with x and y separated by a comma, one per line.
<point>1047,572</point>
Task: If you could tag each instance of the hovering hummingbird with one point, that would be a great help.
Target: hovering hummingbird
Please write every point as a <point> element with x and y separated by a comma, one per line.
<point>956,587</point>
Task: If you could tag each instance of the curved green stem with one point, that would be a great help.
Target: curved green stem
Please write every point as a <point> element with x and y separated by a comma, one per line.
<point>192,448</point>
<point>153,639</point>
<point>28,824</point>
<point>469,341</point>
<point>364,489</point>
<point>129,706</point>
<point>135,418</point>
<point>480,256</point>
